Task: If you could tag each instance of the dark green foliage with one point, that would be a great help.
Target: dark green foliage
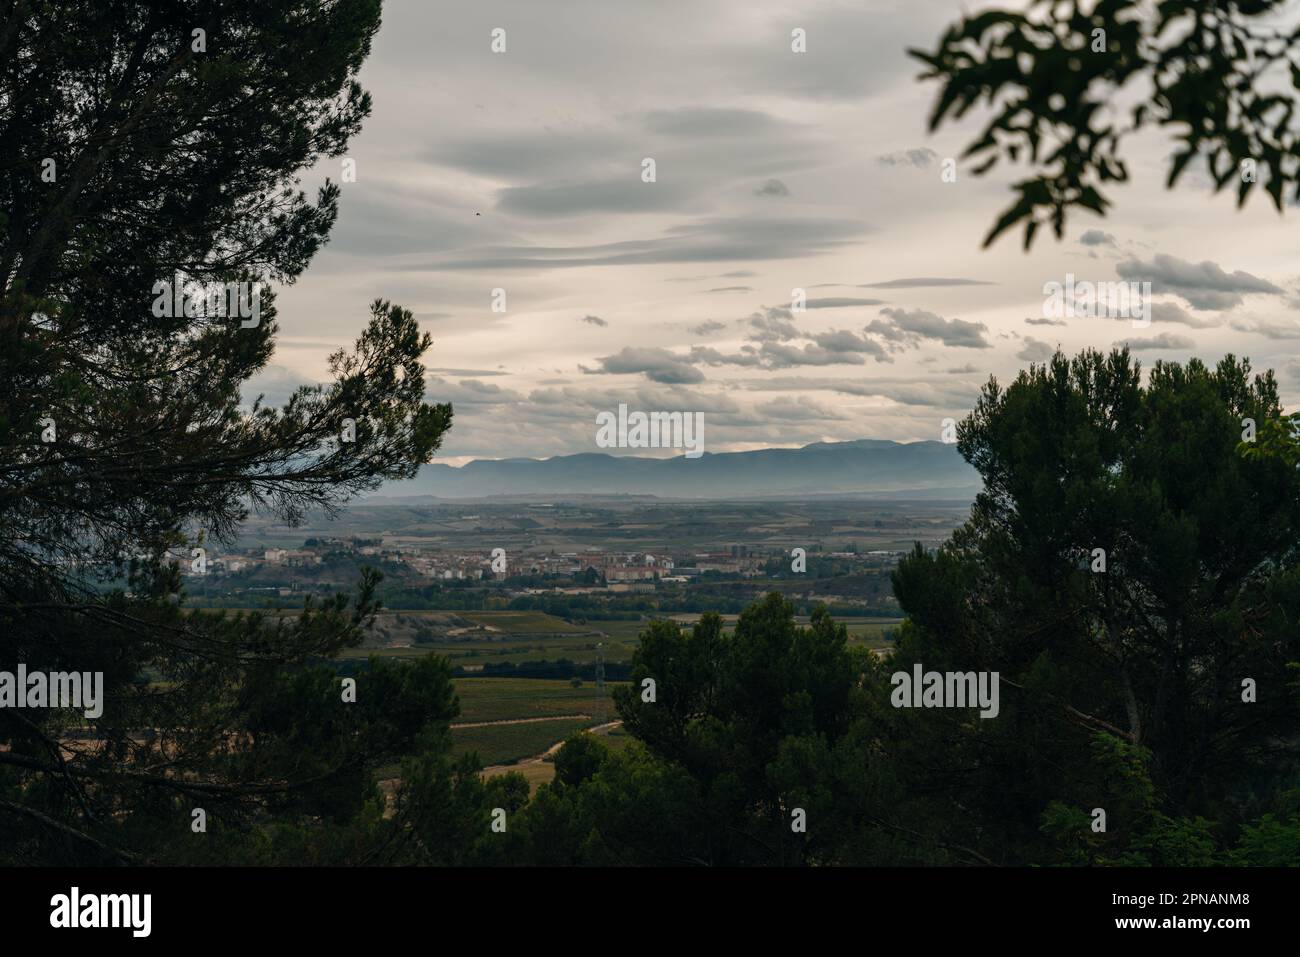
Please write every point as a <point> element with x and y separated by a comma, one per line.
<point>1120,690</point>
<point>166,157</point>
<point>1220,76</point>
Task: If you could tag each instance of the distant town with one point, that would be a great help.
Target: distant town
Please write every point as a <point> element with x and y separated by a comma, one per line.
<point>585,560</point>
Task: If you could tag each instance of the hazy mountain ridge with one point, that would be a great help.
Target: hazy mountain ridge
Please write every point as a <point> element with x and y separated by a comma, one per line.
<point>865,466</point>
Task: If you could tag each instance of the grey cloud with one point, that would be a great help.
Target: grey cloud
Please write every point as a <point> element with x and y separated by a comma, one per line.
<point>695,122</point>
<point>748,356</point>
<point>707,326</point>
<point>919,158</point>
<point>773,324</point>
<point>1046,322</point>
<point>800,408</point>
<point>658,365</point>
<point>1166,340</point>
<point>732,289</point>
<point>471,392</point>
<point>275,383</point>
<point>779,356</point>
<point>922,282</point>
<point>906,326</point>
<point>850,53</point>
<point>773,187</point>
<point>535,154</point>
<point>1270,329</point>
<point>1172,312</point>
<point>1095,237</point>
<point>626,195</point>
<point>594,320</point>
<point>840,302</point>
<point>1035,350</point>
<point>385,218</point>
<point>572,401</point>
<point>937,393</point>
<point>845,341</point>
<point>707,240</point>
<point>1203,285</point>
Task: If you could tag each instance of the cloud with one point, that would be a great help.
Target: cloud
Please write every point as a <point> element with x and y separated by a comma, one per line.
<point>537,143</point>
<point>849,55</point>
<point>747,356</point>
<point>935,393</point>
<point>707,326</point>
<point>773,324</point>
<point>919,158</point>
<point>1166,340</point>
<point>275,383</point>
<point>1035,350</point>
<point>594,320</point>
<point>845,341</point>
<point>709,122</point>
<point>773,187</point>
<point>908,327</point>
<point>528,153</point>
<point>657,365</point>
<point>923,282</point>
<point>625,195</point>
<point>1172,312</point>
<point>712,239</point>
<point>1095,237</point>
<point>777,355</point>
<point>801,408</point>
<point>841,302</point>
<point>1203,285</point>
<point>471,392</point>
<point>1269,328</point>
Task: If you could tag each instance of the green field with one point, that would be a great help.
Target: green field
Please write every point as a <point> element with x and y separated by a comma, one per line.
<point>504,743</point>
<point>497,699</point>
<point>514,637</point>
<point>505,699</point>
<point>524,622</point>
<point>472,639</point>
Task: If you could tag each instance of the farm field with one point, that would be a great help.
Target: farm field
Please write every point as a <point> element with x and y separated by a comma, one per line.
<point>524,700</point>
<point>473,639</point>
<point>498,699</point>
<point>522,622</point>
<point>504,743</point>
<point>536,773</point>
<point>538,770</point>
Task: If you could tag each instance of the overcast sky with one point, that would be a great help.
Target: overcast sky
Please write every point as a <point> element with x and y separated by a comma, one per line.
<point>522,171</point>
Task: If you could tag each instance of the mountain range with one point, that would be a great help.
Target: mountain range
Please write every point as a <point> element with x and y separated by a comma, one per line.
<point>866,467</point>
